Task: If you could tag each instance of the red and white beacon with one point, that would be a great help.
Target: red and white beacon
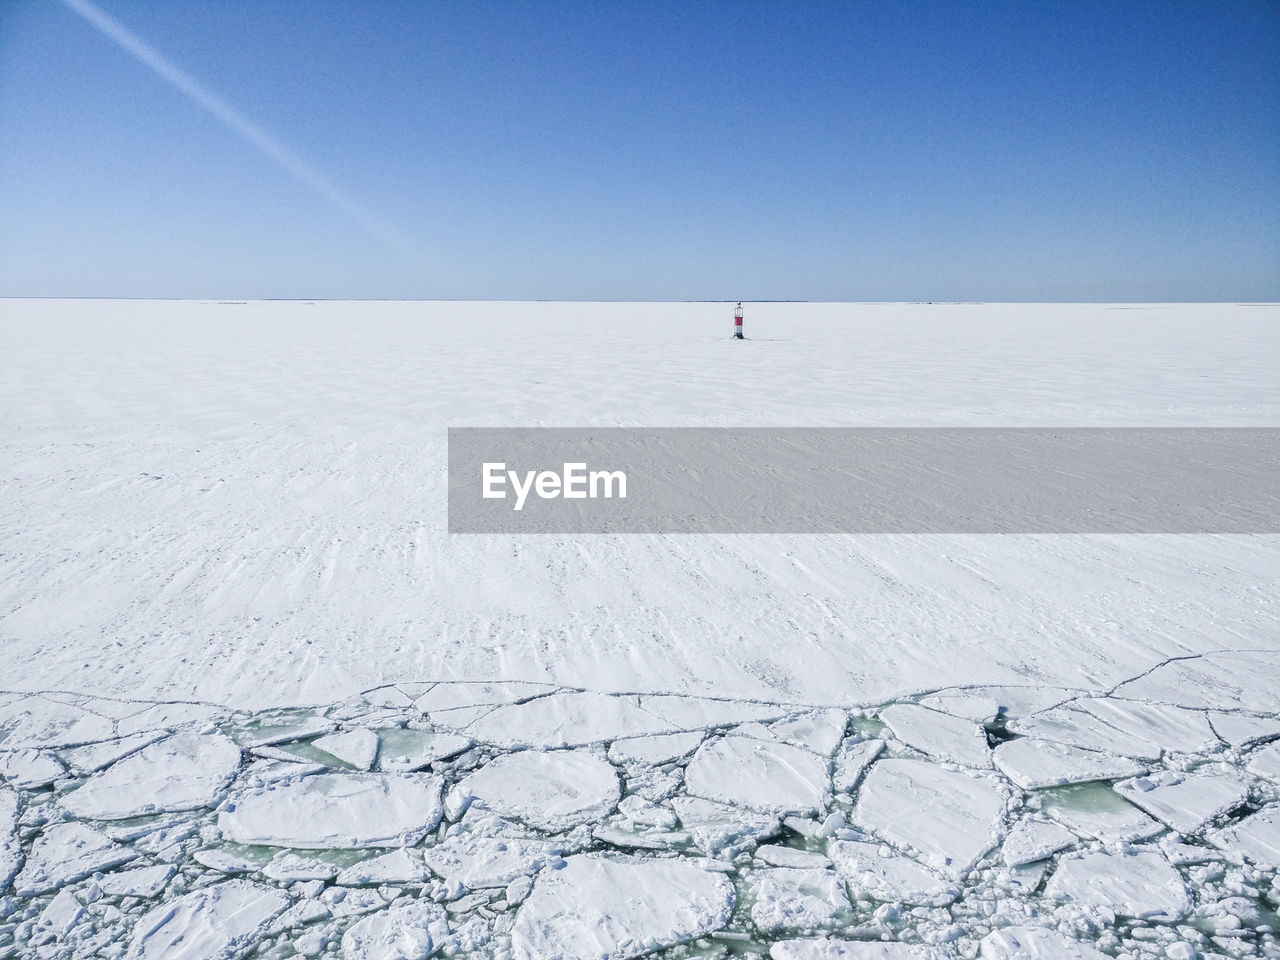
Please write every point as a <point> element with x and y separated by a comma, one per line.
<point>737,322</point>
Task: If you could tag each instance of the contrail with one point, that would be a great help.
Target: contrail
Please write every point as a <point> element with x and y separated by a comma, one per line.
<point>238,123</point>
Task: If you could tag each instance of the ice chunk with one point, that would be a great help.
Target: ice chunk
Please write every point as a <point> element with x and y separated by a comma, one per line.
<point>1021,943</point>
<point>1034,839</point>
<point>405,931</point>
<point>1256,837</point>
<point>480,863</point>
<point>1266,762</point>
<point>1033,764</point>
<point>554,790</point>
<point>357,748</point>
<point>224,861</point>
<point>65,852</point>
<point>142,882</point>
<point>780,856</point>
<point>1069,726</point>
<point>791,898</point>
<point>600,907</point>
<point>288,867</point>
<point>335,810</point>
<point>62,913</point>
<point>30,769</point>
<point>655,749</point>
<point>766,777</point>
<point>10,847</point>
<point>567,720</point>
<point>950,818</point>
<point>852,762</point>
<point>181,772</point>
<point>398,866</point>
<point>872,870</point>
<point>819,730</point>
<point>938,734</point>
<point>716,827</point>
<point>1141,884</point>
<point>1186,801</point>
<point>641,811</point>
<point>851,950</point>
<point>213,923</point>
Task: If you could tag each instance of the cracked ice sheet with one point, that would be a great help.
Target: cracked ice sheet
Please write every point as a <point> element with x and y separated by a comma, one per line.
<point>600,907</point>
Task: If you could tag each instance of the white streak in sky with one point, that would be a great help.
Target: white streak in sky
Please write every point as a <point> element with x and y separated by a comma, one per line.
<point>238,123</point>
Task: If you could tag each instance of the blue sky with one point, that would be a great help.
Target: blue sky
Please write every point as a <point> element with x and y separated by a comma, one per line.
<point>619,151</point>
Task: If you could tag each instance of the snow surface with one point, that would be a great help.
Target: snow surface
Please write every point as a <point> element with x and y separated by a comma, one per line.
<point>192,487</point>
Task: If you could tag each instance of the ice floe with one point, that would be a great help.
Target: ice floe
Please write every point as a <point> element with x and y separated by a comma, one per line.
<point>405,931</point>
<point>1187,801</point>
<point>1020,943</point>
<point>851,950</point>
<point>950,819</point>
<point>600,907</point>
<point>357,748</point>
<point>214,923</point>
<point>180,772</point>
<point>1135,884</point>
<point>65,852</point>
<point>875,871</point>
<point>555,790</point>
<point>1034,839</point>
<point>479,863</point>
<point>1256,837</point>
<point>938,734</point>
<point>335,810</point>
<point>1032,763</point>
<point>797,899</point>
<point>762,776</point>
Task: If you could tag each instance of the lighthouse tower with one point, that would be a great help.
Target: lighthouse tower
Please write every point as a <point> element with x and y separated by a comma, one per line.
<point>737,322</point>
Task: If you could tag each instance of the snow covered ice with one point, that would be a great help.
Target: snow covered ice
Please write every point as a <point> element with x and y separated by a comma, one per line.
<point>275,709</point>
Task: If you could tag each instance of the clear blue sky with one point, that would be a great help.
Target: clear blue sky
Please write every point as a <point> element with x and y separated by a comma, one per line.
<point>601,150</point>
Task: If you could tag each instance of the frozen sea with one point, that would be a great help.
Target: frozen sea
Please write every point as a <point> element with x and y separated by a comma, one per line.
<point>260,702</point>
